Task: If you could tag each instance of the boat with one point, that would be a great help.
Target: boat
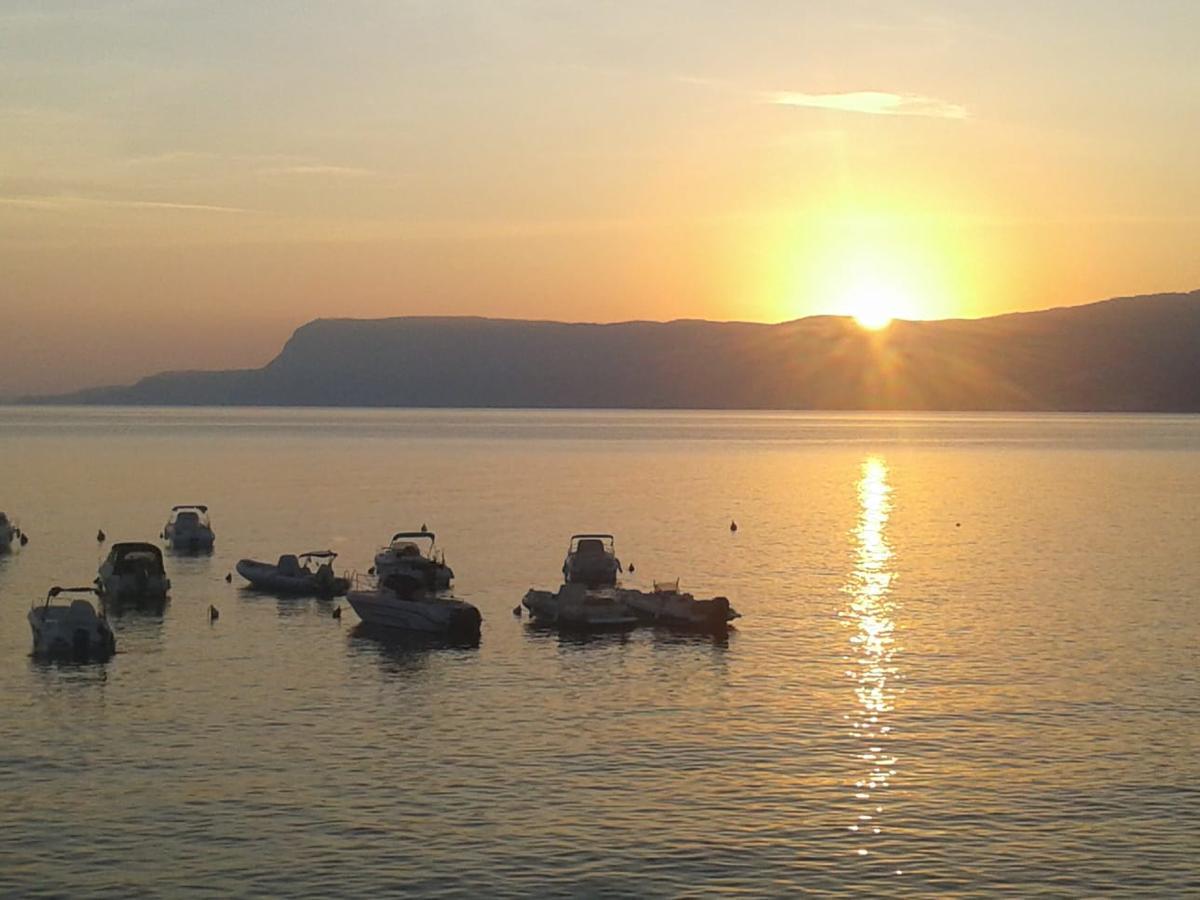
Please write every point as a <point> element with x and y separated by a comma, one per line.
<point>666,605</point>
<point>73,631</point>
<point>188,528</point>
<point>575,606</point>
<point>9,532</point>
<point>404,556</point>
<point>308,574</point>
<point>133,571</point>
<point>591,560</point>
<point>404,602</point>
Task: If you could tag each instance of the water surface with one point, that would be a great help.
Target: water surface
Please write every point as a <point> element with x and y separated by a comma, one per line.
<point>967,661</point>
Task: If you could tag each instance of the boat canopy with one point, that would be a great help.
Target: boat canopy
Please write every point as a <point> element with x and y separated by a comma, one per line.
<point>592,543</point>
<point>56,590</point>
<point>199,506</point>
<point>413,536</point>
<point>134,548</point>
<point>132,553</point>
<point>319,554</point>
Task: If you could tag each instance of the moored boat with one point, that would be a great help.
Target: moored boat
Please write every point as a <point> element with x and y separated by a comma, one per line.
<point>402,602</point>
<point>575,606</point>
<point>133,571</point>
<point>666,605</point>
<point>73,631</point>
<point>189,528</point>
<point>591,560</point>
<point>404,555</point>
<point>308,575</point>
<point>9,534</point>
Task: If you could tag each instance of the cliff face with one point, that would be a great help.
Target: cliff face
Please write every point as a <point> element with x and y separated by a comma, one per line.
<point>1129,354</point>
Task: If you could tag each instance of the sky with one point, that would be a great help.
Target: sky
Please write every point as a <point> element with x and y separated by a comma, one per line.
<point>184,183</point>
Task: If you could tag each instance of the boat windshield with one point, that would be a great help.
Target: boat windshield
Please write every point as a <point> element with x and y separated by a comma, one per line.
<point>189,515</point>
<point>405,548</point>
<point>592,545</point>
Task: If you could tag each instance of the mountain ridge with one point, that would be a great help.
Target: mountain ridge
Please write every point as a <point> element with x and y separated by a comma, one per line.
<point>1123,354</point>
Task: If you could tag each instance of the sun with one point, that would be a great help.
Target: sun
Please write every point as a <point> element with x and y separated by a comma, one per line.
<point>873,319</point>
<point>874,302</point>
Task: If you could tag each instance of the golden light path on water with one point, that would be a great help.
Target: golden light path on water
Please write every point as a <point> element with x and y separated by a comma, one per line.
<point>870,614</point>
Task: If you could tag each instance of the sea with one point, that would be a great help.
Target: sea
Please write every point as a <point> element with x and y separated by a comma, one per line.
<point>966,663</point>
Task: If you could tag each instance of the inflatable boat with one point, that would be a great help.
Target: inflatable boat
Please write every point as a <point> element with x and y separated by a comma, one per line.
<point>308,575</point>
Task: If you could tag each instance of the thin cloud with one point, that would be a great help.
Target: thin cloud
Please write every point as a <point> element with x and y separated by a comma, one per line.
<point>68,203</point>
<point>875,103</point>
<point>330,171</point>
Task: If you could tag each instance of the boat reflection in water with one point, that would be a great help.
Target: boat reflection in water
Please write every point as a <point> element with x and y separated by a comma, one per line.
<point>394,642</point>
<point>871,616</point>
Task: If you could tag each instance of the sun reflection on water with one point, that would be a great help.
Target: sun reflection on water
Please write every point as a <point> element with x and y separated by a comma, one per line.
<point>870,614</point>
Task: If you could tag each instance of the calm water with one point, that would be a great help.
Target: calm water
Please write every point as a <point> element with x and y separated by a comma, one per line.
<point>967,664</point>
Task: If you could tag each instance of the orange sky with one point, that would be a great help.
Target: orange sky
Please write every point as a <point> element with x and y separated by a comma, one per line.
<point>181,184</point>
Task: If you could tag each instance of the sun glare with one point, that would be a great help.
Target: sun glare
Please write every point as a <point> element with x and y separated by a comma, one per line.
<point>874,304</point>
<point>873,320</point>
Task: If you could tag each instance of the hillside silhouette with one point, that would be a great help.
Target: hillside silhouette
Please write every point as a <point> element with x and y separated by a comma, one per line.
<point>1127,354</point>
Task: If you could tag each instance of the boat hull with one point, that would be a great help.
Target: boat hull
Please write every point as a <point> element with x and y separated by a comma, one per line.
<point>266,577</point>
<point>195,540</point>
<point>573,607</point>
<point>133,586</point>
<point>677,610</point>
<point>426,616</point>
<point>58,634</point>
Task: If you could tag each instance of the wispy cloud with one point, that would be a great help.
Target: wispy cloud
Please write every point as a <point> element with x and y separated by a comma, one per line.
<point>875,103</point>
<point>329,171</point>
<point>55,202</point>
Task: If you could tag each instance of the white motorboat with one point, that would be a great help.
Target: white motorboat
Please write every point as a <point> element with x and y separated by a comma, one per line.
<point>666,605</point>
<point>575,606</point>
<point>72,630</point>
<point>402,602</point>
<point>133,571</point>
<point>404,555</point>
<point>9,532</point>
<point>189,528</point>
<point>591,560</point>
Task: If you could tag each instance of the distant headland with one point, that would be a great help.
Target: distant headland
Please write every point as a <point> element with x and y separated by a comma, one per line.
<point>1130,354</point>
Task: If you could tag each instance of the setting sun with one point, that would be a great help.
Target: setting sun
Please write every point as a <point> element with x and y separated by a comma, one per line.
<point>873,320</point>
<point>874,304</point>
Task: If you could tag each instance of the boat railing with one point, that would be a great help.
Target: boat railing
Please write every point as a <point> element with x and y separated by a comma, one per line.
<point>360,581</point>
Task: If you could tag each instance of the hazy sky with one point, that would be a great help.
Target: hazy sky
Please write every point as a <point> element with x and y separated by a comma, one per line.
<point>182,183</point>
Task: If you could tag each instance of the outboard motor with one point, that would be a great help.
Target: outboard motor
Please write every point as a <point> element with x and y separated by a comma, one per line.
<point>720,611</point>
<point>466,622</point>
<point>81,644</point>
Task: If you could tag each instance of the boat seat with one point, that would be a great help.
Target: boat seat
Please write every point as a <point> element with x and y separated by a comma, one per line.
<point>80,611</point>
<point>572,591</point>
<point>289,565</point>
